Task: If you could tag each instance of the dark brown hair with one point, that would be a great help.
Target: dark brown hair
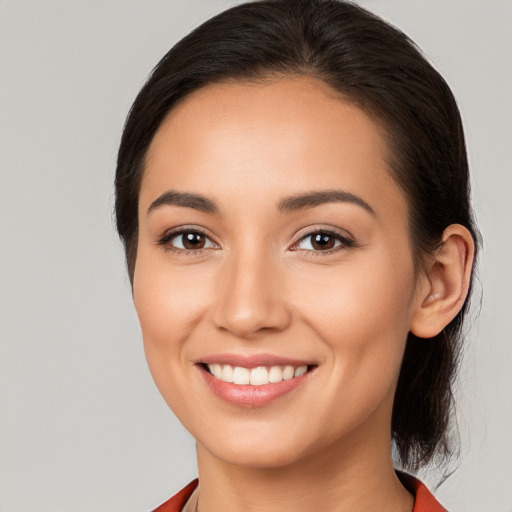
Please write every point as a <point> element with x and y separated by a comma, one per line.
<point>377,67</point>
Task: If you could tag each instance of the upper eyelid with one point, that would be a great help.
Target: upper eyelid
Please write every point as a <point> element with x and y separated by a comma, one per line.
<point>311,230</point>
<point>346,239</point>
<point>185,229</point>
<point>169,234</point>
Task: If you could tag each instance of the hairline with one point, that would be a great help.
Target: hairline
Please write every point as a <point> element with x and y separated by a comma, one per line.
<point>270,75</point>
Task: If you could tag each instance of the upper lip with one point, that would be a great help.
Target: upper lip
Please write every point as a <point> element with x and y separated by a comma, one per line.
<point>253,360</point>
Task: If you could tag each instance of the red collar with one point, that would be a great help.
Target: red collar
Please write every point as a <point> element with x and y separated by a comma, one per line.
<point>177,502</point>
<point>423,502</point>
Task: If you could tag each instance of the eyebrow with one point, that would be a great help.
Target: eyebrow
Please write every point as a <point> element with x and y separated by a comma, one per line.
<point>188,200</point>
<point>286,205</point>
<point>312,199</point>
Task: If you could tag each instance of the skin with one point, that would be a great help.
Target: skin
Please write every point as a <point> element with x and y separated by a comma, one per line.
<point>259,286</point>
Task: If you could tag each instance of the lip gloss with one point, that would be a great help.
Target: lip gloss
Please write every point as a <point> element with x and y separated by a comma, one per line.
<point>246,395</point>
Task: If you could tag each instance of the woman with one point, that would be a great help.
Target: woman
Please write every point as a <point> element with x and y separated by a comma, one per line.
<point>292,192</point>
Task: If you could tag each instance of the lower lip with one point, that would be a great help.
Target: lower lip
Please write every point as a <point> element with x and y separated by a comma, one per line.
<point>245,395</point>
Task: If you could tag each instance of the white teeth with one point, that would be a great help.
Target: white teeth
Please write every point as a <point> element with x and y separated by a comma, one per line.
<point>275,374</point>
<point>216,370</point>
<point>255,376</point>
<point>241,375</point>
<point>259,376</point>
<point>227,373</point>
<point>301,370</point>
<point>288,372</point>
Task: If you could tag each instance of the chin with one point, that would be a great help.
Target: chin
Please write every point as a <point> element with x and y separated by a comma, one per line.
<point>253,454</point>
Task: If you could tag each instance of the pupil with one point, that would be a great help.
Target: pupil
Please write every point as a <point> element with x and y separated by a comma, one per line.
<point>323,241</point>
<point>193,241</point>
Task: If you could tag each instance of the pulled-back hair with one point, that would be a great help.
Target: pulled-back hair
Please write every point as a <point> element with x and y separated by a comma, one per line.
<point>377,67</point>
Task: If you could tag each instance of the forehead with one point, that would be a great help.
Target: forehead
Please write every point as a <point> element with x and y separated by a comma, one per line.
<point>266,138</point>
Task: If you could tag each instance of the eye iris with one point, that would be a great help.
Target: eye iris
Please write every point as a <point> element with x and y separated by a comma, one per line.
<point>193,241</point>
<point>322,241</point>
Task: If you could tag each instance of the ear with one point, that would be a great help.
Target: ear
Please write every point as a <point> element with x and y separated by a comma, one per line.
<point>444,283</point>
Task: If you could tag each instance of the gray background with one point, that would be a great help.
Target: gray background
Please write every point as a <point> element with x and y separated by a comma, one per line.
<point>82,427</point>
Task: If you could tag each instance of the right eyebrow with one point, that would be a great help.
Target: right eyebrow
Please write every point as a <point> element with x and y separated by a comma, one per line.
<point>318,197</point>
<point>185,199</point>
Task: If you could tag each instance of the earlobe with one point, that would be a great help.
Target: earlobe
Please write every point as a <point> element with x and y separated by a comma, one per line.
<point>444,286</point>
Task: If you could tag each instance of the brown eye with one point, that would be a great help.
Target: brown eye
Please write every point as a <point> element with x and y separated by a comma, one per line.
<point>193,240</point>
<point>322,241</point>
<point>189,241</point>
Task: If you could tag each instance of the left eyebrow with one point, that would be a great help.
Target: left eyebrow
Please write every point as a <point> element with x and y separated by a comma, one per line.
<point>316,198</point>
<point>186,200</point>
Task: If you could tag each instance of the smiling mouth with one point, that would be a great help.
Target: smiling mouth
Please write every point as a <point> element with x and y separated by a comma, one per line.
<point>258,376</point>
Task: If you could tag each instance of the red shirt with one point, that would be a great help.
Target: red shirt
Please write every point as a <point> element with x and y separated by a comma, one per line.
<point>423,502</point>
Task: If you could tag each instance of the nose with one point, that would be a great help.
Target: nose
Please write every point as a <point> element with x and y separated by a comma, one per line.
<point>251,297</point>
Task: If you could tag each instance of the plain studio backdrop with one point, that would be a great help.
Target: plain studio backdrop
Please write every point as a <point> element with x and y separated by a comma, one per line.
<point>82,426</point>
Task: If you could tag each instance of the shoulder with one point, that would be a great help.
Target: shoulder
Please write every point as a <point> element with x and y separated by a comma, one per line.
<point>424,500</point>
<point>177,502</point>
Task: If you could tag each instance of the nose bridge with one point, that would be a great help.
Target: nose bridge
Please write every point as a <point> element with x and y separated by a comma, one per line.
<point>251,297</point>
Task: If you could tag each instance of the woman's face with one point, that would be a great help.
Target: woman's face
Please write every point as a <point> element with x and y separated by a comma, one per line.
<point>272,242</point>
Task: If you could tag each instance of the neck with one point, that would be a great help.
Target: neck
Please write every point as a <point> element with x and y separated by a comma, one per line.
<point>349,477</point>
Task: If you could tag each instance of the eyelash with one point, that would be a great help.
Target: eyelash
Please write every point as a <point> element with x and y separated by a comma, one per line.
<point>165,241</point>
<point>345,240</point>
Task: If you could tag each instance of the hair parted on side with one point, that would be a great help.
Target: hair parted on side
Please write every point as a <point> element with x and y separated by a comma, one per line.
<point>378,68</point>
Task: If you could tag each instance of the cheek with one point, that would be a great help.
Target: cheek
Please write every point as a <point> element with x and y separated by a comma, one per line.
<point>168,299</point>
<point>170,303</point>
<point>363,311</point>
